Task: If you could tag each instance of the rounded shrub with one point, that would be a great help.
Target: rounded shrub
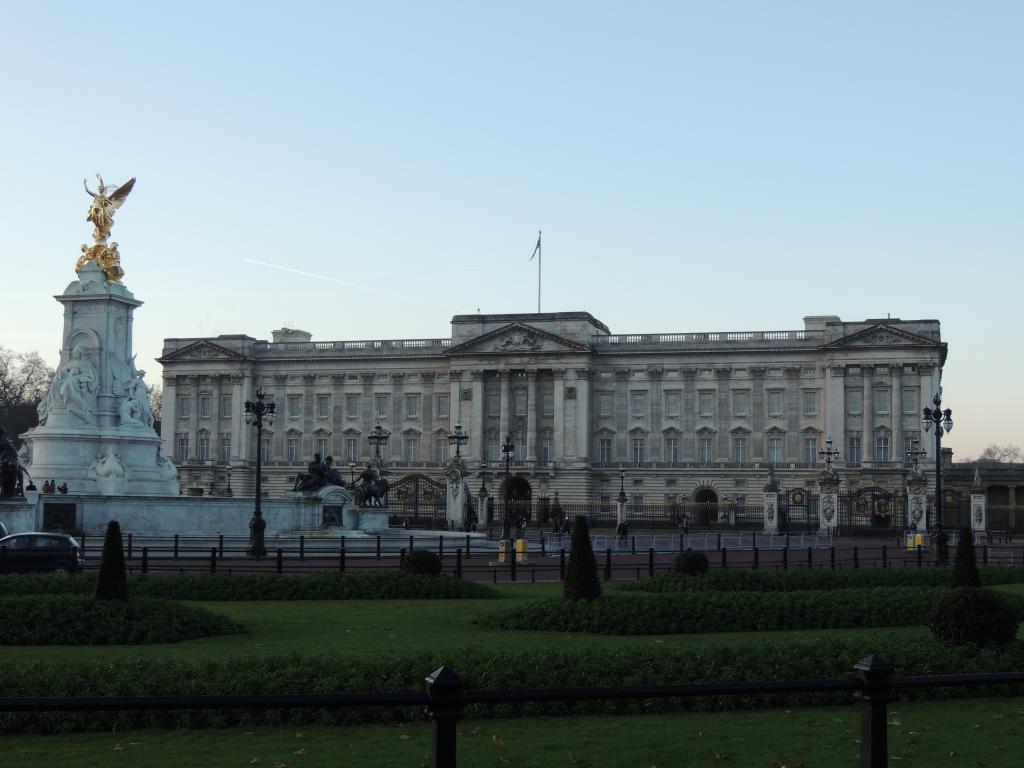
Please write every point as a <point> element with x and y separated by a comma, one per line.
<point>422,562</point>
<point>692,563</point>
<point>969,616</point>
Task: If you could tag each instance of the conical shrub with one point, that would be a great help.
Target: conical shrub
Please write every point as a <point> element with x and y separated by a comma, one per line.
<point>581,582</point>
<point>965,569</point>
<point>112,582</point>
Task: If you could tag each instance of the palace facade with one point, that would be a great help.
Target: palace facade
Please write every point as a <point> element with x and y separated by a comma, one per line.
<point>685,416</point>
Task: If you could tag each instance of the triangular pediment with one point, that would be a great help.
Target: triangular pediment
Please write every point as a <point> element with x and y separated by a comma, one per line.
<point>882,335</point>
<point>201,350</point>
<point>517,338</point>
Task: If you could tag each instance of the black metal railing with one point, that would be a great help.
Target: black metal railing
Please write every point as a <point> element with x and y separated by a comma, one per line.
<point>446,699</point>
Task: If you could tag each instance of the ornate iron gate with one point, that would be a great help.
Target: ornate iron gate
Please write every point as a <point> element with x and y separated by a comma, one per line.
<point>417,501</point>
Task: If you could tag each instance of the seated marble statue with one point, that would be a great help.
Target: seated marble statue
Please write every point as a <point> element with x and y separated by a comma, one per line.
<point>319,474</point>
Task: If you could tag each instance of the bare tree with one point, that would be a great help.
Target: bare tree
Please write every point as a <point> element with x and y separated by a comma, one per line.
<point>1003,454</point>
<point>156,400</point>
<point>24,378</point>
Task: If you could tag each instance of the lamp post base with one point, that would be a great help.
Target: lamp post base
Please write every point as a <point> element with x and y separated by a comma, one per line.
<point>257,547</point>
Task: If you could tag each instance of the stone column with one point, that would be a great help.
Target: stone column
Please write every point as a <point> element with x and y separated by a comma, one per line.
<point>583,414</point>
<point>169,416</point>
<point>929,385</point>
<point>559,447</point>
<point>828,503</point>
<point>479,416</point>
<point>531,414</point>
<point>979,520</point>
<point>455,407</point>
<point>771,504</point>
<point>397,442</point>
<point>337,423</point>
<point>193,438</point>
<point>504,382</point>
<point>656,441</point>
<point>868,415</point>
<point>835,406</point>
<point>896,406</point>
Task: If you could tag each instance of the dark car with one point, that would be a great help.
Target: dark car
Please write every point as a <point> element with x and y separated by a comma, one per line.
<point>28,552</point>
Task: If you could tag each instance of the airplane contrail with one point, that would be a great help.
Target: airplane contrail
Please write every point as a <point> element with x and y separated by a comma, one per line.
<point>345,282</point>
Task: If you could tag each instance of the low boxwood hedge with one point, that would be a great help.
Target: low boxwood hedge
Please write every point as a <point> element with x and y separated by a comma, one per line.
<point>78,620</point>
<point>260,586</point>
<point>793,580</point>
<point>482,669</point>
<point>707,612</point>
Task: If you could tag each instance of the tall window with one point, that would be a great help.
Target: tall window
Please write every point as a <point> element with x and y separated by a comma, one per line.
<point>672,405</point>
<point>351,449</point>
<point>493,453</point>
<point>412,406</point>
<point>323,446</point>
<point>740,403</point>
<point>672,450</point>
<point>853,449</point>
<point>225,447</point>
<point>638,450</point>
<point>493,404</point>
<point>323,406</point>
<point>381,403</point>
<point>810,401</point>
<point>739,450</point>
<point>204,407</point>
<point>775,450</point>
<point>548,403</point>
<point>204,447</point>
<point>352,406</point>
<point>854,401</point>
<point>882,405</point>
<point>908,443</point>
<point>882,448</point>
<point>775,402</point>
<point>293,449</point>
<point>182,449</point>
<point>706,404</point>
<point>442,406</point>
<point>811,450</point>
<point>225,406</point>
<point>441,449</point>
<point>519,402</point>
<point>910,404</point>
<point>604,450</point>
<point>184,407</point>
<point>265,449</point>
<point>545,450</point>
<point>294,406</point>
<point>704,450</point>
<point>639,404</point>
<point>604,401</point>
<point>412,445</point>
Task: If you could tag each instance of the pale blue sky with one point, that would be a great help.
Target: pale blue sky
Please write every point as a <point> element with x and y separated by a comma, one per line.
<point>694,166</point>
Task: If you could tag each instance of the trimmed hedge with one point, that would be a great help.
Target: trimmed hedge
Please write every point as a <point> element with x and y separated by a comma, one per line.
<point>971,615</point>
<point>422,562</point>
<point>481,669</point>
<point>74,620</point>
<point>707,612</point>
<point>260,586</point>
<point>795,580</point>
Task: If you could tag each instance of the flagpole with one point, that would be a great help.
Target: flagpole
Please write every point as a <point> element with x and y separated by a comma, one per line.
<point>540,256</point>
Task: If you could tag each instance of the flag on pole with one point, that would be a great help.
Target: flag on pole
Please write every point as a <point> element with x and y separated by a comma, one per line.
<point>536,249</point>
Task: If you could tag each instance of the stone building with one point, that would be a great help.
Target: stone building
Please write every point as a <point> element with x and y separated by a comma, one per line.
<point>686,416</point>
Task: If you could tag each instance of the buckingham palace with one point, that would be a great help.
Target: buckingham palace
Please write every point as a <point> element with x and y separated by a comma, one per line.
<point>669,416</point>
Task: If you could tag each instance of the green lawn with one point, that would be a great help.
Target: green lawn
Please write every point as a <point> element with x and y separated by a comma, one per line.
<point>396,627</point>
<point>977,732</point>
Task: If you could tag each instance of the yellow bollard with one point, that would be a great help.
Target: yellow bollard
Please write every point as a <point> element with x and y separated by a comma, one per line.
<point>522,551</point>
<point>501,550</point>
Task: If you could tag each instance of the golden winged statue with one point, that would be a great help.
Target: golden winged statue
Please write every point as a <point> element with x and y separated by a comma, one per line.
<point>105,201</point>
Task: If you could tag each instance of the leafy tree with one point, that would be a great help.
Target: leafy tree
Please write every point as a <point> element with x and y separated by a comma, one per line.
<point>112,581</point>
<point>965,569</point>
<point>581,582</point>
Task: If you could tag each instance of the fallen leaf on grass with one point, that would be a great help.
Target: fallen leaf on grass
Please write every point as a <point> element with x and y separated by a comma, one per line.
<point>496,741</point>
<point>118,748</point>
<point>300,751</point>
<point>404,737</point>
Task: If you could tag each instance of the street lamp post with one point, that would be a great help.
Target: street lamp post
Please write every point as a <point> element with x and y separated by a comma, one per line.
<point>458,438</point>
<point>622,497</point>
<point>828,455</point>
<point>942,420</point>
<point>508,450</point>
<point>351,474</point>
<point>228,470</point>
<point>378,438</point>
<point>256,414</point>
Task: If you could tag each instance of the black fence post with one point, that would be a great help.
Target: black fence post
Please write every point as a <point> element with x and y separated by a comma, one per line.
<point>440,547</point>
<point>650,562</point>
<point>832,558</point>
<point>885,556</point>
<point>756,558</point>
<point>129,546</point>
<point>213,559</point>
<point>561,565</point>
<point>512,562</point>
<point>145,559</point>
<point>632,544</point>
<point>447,706</point>
<point>876,694</point>
<point>810,558</point>
<point>280,560</point>
<point>302,547</point>
<point>608,564</point>
<point>785,558</point>
<point>919,556</point>
<point>411,544</point>
<point>984,555</point>
<point>220,546</point>
<point>467,545</point>
<point>458,563</point>
<point>718,542</point>
<point>856,557</point>
<point>341,556</point>
<point>175,546</point>
<point>378,546</point>
<point>401,558</point>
